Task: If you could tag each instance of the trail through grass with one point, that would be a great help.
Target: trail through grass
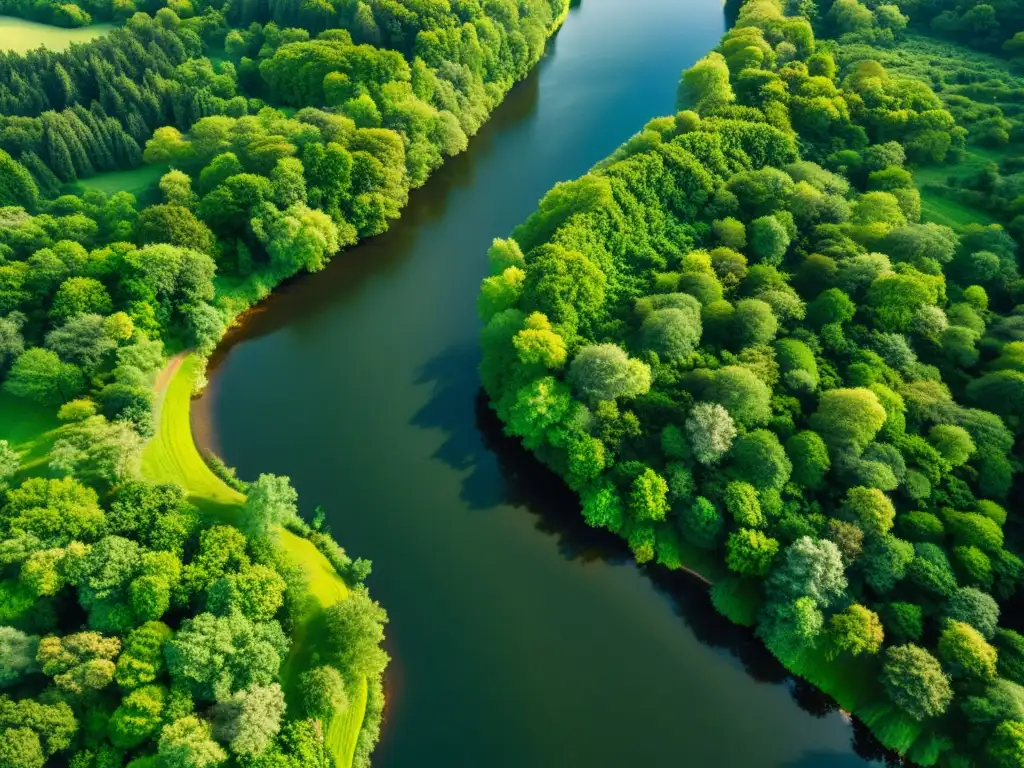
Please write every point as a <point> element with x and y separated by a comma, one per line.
<point>172,457</point>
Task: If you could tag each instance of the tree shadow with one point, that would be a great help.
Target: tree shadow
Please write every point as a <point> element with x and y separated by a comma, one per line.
<point>498,471</point>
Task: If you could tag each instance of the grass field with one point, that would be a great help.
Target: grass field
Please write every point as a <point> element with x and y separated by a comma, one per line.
<point>20,35</point>
<point>29,428</point>
<point>140,182</point>
<point>172,457</point>
<point>940,209</point>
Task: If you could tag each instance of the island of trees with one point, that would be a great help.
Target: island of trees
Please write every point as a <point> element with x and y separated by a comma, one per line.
<point>756,349</point>
<point>143,623</point>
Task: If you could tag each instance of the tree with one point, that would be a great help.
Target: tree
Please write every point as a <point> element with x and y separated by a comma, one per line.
<point>976,608</point>
<point>711,431</point>
<point>137,718</point>
<point>355,629</point>
<point>809,456</point>
<point>538,344</point>
<point>54,511</point>
<point>142,660</point>
<point>754,322</point>
<point>218,655</point>
<point>79,663</point>
<point>186,743</point>
<point>85,340</point>
<point>249,719</point>
<point>1006,748</point>
<point>915,682</point>
<point>605,372</point>
<point>742,502</point>
<point>10,461</point>
<point>830,306</point>
<point>301,238</point>
<point>870,509</point>
<point>17,187</point>
<point>1010,646</point>
<point>54,725</point>
<point>256,590</point>
<point>12,343</point>
<point>953,442</point>
<point>848,417</point>
<point>856,630</point>
<point>904,622</point>
<point>40,375</point>
<point>750,552</point>
<point>77,295</point>
<point>811,569</point>
<point>173,223</point>
<point>769,240</point>
<point>648,498</point>
<point>705,85</point>
<point>760,459</point>
<point>672,333</point>
<point>744,396</point>
<point>701,524</point>
<point>270,503</point>
<point>965,653</point>
<point>500,292</point>
<point>323,692</point>
<point>20,748</point>
<point>17,655</point>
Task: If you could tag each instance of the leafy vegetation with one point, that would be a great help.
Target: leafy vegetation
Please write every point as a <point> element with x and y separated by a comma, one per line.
<point>736,335</point>
<point>154,184</point>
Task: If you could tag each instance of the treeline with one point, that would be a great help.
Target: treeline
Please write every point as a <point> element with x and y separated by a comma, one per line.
<point>738,343</point>
<point>986,26</point>
<point>69,115</point>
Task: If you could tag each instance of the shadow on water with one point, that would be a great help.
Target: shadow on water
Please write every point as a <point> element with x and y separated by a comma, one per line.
<point>529,485</point>
<point>525,484</point>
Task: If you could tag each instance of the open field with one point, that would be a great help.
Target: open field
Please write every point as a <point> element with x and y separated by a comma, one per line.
<point>140,182</point>
<point>29,428</point>
<point>19,35</point>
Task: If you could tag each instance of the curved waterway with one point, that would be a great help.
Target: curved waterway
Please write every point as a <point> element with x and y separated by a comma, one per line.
<point>520,638</point>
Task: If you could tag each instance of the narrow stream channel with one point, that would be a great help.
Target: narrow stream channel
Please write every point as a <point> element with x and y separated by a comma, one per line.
<point>520,637</point>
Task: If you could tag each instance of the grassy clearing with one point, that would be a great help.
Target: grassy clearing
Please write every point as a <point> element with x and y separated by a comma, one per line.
<point>172,457</point>
<point>939,209</point>
<point>20,35</point>
<point>936,207</point>
<point>140,182</point>
<point>29,428</point>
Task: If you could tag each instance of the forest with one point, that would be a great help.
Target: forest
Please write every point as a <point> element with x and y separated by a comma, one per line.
<point>776,339</point>
<point>142,624</point>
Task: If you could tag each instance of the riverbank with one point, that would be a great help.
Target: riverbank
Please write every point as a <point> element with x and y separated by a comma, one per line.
<point>172,457</point>
<point>677,335</point>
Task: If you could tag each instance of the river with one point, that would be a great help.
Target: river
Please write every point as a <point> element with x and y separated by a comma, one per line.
<point>519,637</point>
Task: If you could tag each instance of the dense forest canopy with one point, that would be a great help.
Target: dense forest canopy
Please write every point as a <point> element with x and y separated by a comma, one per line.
<point>137,627</point>
<point>737,340</point>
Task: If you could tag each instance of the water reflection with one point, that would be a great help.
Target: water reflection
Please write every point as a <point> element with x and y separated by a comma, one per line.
<point>526,484</point>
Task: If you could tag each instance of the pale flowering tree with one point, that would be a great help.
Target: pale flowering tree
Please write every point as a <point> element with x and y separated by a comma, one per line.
<point>711,431</point>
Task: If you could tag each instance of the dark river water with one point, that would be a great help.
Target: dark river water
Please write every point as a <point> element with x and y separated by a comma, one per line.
<point>520,638</point>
